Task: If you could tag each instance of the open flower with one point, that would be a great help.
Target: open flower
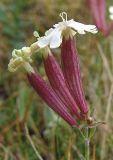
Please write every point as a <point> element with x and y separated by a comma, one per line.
<point>98,13</point>
<point>111,12</point>
<point>75,26</point>
<point>53,37</point>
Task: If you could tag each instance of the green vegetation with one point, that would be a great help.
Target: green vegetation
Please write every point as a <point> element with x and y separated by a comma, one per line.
<point>19,104</point>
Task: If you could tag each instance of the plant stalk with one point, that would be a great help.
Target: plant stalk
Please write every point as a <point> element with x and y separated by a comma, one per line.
<point>87,146</point>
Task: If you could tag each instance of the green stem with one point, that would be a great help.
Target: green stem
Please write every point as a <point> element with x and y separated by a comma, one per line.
<point>87,147</point>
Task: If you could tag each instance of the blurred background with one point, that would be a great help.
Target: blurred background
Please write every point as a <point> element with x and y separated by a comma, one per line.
<point>19,104</point>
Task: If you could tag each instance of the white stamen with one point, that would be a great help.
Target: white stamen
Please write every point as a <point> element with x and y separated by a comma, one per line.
<point>63,15</point>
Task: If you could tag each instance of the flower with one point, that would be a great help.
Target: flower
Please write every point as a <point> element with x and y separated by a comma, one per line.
<point>75,26</point>
<point>111,12</point>
<point>53,37</point>
<point>20,57</point>
<point>98,13</point>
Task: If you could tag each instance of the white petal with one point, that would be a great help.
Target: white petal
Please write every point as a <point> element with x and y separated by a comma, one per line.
<point>56,39</point>
<point>56,25</point>
<point>48,31</point>
<point>111,9</point>
<point>81,28</point>
<point>90,28</point>
<point>43,42</point>
<point>52,38</point>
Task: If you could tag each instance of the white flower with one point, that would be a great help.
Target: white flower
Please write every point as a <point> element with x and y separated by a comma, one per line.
<point>111,12</point>
<point>53,37</point>
<point>76,26</point>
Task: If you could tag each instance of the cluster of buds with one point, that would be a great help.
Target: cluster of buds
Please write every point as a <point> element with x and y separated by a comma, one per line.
<point>64,92</point>
<point>98,12</point>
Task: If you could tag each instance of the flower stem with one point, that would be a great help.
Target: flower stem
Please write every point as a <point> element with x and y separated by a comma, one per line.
<point>32,144</point>
<point>87,146</point>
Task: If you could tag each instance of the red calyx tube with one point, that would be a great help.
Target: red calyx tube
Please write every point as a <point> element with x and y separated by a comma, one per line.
<point>93,5</point>
<point>45,91</point>
<point>71,70</point>
<point>57,81</point>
